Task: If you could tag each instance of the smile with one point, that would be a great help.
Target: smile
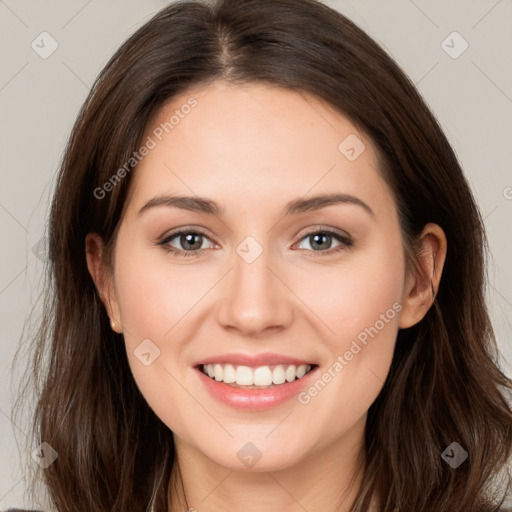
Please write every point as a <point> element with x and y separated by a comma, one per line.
<point>261,377</point>
<point>255,388</point>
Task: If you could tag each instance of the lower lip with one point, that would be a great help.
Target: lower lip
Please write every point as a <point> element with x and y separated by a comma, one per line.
<point>255,399</point>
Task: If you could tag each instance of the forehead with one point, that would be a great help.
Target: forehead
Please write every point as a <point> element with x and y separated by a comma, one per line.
<point>250,144</point>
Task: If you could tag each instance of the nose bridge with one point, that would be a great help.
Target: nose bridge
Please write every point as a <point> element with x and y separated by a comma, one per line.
<point>255,297</point>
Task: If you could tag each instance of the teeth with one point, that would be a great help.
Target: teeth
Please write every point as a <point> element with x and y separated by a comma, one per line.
<point>279,375</point>
<point>301,371</point>
<point>244,376</point>
<point>229,374</point>
<point>291,373</point>
<point>260,376</point>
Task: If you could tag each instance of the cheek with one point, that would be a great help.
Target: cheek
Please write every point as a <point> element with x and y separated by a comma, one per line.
<point>153,296</point>
<point>142,302</point>
<point>361,306</point>
<point>156,302</point>
<point>152,301</point>
<point>352,295</point>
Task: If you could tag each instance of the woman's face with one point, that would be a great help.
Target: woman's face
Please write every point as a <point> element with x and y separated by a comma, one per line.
<point>271,279</point>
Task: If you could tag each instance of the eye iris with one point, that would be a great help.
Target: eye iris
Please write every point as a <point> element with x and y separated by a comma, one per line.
<point>186,239</point>
<point>318,236</point>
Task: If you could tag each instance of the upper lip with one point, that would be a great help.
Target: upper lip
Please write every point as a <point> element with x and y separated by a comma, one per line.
<point>265,359</point>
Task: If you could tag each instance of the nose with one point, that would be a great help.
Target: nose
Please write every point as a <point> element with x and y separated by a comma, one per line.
<point>256,298</point>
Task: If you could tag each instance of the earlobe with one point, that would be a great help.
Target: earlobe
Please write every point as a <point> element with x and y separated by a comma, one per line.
<point>422,283</point>
<point>113,325</point>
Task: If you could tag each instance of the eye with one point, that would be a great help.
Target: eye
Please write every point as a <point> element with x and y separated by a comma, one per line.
<point>192,241</point>
<point>321,238</point>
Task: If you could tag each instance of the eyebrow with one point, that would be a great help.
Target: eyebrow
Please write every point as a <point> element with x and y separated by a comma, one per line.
<point>294,207</point>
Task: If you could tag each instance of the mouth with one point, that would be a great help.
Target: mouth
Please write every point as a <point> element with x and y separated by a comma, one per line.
<point>260,377</point>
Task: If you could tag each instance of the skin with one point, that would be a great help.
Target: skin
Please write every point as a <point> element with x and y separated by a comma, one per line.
<point>253,148</point>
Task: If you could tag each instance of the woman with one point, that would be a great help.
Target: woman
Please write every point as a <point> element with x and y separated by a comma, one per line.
<point>255,366</point>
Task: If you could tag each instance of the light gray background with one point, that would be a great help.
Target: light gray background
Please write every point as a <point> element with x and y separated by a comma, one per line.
<point>39,99</point>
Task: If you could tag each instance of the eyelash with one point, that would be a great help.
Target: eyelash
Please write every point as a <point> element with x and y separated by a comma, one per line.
<point>344,243</point>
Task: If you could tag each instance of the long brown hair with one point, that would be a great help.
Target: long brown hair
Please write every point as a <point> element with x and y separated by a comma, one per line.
<point>445,384</point>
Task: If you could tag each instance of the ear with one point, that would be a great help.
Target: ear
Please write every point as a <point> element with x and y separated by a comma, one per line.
<point>422,283</point>
<point>103,278</point>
